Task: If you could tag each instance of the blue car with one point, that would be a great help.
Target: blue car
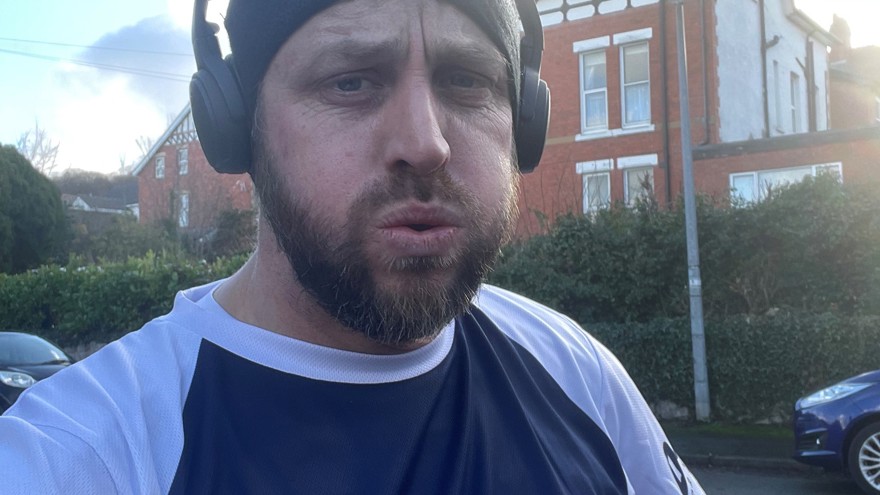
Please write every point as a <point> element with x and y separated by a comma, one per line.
<point>26,359</point>
<point>838,428</point>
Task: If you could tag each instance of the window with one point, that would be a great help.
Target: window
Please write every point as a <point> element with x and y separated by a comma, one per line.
<point>636,84</point>
<point>795,102</point>
<point>183,161</point>
<point>183,213</point>
<point>638,184</point>
<point>597,191</point>
<point>632,79</point>
<point>749,187</point>
<point>829,168</point>
<point>777,96</point>
<point>160,166</point>
<point>742,188</point>
<point>596,176</point>
<point>594,88</point>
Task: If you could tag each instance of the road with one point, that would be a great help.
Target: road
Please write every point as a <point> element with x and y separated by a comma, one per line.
<point>736,481</point>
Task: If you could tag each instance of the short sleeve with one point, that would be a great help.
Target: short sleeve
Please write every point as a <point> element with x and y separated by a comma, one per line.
<point>45,459</point>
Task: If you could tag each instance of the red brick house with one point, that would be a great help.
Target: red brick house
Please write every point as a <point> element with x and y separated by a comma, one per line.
<point>176,183</point>
<point>759,86</point>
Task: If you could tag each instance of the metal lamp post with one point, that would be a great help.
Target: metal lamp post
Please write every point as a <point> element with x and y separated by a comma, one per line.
<point>695,284</point>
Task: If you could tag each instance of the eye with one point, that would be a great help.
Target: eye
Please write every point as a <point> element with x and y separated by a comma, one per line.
<point>462,80</point>
<point>350,84</point>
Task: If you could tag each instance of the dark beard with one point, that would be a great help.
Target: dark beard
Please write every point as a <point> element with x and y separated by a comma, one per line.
<point>332,266</point>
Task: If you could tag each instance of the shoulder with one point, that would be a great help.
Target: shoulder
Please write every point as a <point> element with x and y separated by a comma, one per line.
<point>593,378</point>
<point>533,325</point>
<point>575,360</point>
<point>108,404</point>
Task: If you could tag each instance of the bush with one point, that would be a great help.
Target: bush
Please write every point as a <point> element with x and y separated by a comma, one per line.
<point>81,304</point>
<point>758,366</point>
<point>33,228</point>
<point>234,234</point>
<point>620,265</point>
<point>120,239</point>
<point>811,246</point>
<point>791,292</point>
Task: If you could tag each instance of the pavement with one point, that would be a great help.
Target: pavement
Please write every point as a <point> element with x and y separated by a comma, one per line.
<point>698,447</point>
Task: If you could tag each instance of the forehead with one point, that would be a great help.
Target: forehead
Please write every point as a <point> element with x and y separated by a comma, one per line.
<point>439,24</point>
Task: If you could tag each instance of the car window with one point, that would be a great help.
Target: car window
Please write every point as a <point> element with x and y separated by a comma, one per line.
<point>17,349</point>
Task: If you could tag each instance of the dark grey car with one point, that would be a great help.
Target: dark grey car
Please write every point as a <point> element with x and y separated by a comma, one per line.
<point>24,360</point>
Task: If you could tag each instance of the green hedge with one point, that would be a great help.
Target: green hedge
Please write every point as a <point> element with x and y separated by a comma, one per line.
<point>81,304</point>
<point>758,366</point>
<point>811,246</point>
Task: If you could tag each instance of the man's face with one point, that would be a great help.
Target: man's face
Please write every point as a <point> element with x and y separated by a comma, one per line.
<point>384,162</point>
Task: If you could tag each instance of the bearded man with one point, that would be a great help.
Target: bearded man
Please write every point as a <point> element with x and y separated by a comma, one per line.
<point>357,350</point>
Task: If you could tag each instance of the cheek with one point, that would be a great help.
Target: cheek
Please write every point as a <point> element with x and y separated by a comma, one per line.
<point>321,168</point>
<point>486,159</point>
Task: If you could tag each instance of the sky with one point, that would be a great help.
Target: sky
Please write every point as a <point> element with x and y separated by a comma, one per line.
<point>98,75</point>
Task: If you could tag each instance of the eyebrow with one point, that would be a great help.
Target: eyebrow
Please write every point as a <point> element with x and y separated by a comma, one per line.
<point>346,51</point>
<point>468,53</point>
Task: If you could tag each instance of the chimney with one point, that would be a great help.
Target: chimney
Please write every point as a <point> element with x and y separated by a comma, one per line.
<point>840,29</point>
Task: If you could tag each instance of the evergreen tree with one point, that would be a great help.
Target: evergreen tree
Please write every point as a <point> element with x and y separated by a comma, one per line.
<point>33,226</point>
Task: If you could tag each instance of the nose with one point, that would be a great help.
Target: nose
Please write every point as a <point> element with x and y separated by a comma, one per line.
<point>414,127</point>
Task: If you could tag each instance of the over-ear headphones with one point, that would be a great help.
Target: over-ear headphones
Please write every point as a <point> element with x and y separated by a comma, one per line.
<point>534,95</point>
<point>218,108</point>
<point>223,120</point>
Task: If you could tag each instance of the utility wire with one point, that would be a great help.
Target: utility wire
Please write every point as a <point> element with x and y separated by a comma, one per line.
<point>116,68</point>
<point>133,50</point>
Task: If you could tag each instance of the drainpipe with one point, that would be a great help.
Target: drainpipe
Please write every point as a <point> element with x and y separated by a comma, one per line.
<point>812,125</point>
<point>705,47</point>
<point>664,81</point>
<point>766,102</point>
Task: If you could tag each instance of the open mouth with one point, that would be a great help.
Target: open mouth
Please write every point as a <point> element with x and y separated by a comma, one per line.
<point>420,227</point>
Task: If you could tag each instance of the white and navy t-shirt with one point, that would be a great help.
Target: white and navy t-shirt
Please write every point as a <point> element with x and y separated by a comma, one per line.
<point>510,398</point>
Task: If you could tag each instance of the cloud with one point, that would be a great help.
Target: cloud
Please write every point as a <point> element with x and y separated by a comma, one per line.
<point>153,57</point>
<point>100,113</point>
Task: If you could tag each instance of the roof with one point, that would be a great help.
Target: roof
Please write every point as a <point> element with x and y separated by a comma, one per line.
<point>184,114</point>
<point>98,202</point>
<point>808,25</point>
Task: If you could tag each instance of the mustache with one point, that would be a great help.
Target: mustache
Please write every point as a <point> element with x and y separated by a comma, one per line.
<point>405,185</point>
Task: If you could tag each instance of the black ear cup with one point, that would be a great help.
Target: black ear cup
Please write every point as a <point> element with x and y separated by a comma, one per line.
<point>534,105</point>
<point>531,129</point>
<point>220,116</point>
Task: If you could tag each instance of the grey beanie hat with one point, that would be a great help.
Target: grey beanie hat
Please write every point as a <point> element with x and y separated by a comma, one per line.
<point>258,28</point>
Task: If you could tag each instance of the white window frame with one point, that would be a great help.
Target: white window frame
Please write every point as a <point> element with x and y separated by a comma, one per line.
<point>627,173</point>
<point>183,211</point>
<point>759,186</point>
<point>795,88</point>
<point>183,161</point>
<point>593,170</point>
<point>160,166</point>
<point>585,93</point>
<point>636,36</point>
<point>592,205</point>
<point>624,84</point>
<point>582,49</point>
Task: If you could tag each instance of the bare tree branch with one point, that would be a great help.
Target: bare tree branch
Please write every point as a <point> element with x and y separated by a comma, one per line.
<point>39,149</point>
<point>144,143</point>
